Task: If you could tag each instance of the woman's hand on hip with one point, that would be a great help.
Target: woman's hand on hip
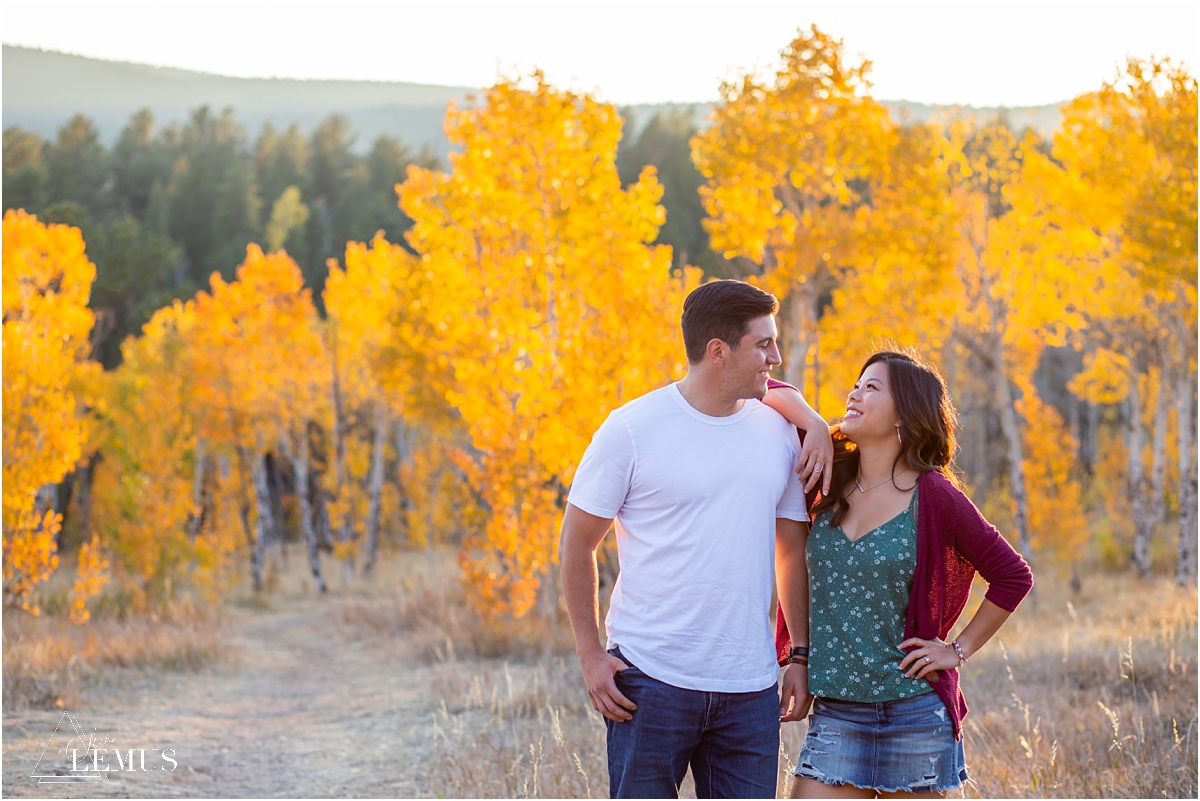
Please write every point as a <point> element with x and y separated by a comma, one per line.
<point>927,657</point>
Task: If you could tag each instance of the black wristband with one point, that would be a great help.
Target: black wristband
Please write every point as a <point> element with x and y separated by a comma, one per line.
<point>798,650</point>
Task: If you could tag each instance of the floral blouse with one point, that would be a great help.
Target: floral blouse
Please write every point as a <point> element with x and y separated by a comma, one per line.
<point>858,600</point>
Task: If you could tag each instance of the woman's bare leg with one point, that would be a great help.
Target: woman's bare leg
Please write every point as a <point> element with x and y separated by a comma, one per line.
<point>903,794</point>
<point>811,788</point>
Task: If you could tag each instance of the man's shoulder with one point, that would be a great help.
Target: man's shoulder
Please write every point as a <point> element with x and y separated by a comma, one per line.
<point>771,422</point>
<point>650,404</point>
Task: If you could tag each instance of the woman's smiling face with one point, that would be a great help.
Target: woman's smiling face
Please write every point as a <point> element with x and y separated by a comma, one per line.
<point>870,410</point>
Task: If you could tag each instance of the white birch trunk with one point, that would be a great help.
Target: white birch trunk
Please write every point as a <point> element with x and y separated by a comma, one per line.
<point>1185,565</point>
<point>375,487</point>
<point>1016,457</point>
<point>197,515</point>
<point>801,316</point>
<point>299,459</point>
<point>1158,463</point>
<point>265,520</point>
<point>402,451</point>
<point>1142,526</point>
<point>339,455</point>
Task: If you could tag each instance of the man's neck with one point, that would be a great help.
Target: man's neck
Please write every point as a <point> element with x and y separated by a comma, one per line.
<point>706,398</point>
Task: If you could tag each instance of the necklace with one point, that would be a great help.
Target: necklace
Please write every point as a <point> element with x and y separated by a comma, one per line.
<point>868,489</point>
<point>873,486</point>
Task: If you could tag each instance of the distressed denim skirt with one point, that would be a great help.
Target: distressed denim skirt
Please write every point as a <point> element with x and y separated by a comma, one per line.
<point>892,746</point>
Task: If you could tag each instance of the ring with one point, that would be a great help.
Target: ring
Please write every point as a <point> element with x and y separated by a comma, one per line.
<point>926,659</point>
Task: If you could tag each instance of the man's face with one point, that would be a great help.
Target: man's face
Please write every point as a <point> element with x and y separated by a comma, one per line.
<point>750,365</point>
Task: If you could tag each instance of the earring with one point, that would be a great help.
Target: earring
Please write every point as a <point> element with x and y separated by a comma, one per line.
<point>898,435</point>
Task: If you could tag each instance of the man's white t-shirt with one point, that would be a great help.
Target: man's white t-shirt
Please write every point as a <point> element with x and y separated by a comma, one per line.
<point>695,500</point>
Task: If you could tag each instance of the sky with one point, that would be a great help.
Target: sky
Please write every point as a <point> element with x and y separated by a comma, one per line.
<point>973,52</point>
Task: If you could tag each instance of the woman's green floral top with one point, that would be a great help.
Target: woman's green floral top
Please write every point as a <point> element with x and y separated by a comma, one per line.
<point>858,599</point>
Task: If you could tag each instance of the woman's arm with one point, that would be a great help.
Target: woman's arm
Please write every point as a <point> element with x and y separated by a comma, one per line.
<point>1006,572</point>
<point>817,445</point>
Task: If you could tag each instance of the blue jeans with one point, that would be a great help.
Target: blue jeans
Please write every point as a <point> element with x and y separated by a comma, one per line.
<point>731,740</point>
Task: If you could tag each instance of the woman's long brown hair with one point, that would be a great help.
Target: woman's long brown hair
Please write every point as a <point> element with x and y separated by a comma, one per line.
<point>927,416</point>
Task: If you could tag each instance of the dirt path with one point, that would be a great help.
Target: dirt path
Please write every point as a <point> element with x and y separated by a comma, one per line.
<point>296,710</point>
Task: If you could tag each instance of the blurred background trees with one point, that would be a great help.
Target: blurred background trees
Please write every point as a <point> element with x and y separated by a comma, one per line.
<point>360,374</point>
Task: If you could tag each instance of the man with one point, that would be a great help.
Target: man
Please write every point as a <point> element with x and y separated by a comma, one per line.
<point>698,475</point>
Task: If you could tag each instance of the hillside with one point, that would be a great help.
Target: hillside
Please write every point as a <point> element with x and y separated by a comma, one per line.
<point>42,89</point>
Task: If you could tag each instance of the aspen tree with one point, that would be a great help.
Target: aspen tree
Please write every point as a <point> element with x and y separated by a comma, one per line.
<point>47,280</point>
<point>540,297</point>
<point>1144,202</point>
<point>259,349</point>
<point>785,159</point>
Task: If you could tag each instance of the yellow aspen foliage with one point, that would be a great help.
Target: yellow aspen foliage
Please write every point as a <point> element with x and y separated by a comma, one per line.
<point>90,578</point>
<point>47,281</point>
<point>1144,206</point>
<point>1057,520</point>
<point>1104,378</point>
<point>785,159</point>
<point>143,484</point>
<point>255,337</point>
<point>537,292</point>
<point>900,292</point>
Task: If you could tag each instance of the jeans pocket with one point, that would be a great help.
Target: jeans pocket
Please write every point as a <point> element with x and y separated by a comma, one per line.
<point>629,666</point>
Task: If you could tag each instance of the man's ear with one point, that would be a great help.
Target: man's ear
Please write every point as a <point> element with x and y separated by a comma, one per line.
<point>716,351</point>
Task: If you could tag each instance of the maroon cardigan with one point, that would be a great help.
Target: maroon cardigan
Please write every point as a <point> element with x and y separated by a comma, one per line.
<point>953,542</point>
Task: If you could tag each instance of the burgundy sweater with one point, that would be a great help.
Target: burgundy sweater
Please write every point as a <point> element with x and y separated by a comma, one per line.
<point>953,542</point>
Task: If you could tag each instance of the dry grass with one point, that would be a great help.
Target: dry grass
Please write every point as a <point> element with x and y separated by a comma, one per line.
<point>1093,695</point>
<point>49,662</point>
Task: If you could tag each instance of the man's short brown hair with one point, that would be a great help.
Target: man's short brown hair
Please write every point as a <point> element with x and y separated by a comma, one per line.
<point>722,310</point>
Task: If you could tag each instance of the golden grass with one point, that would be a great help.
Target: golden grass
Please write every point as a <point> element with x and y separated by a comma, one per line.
<point>1092,695</point>
<point>49,662</point>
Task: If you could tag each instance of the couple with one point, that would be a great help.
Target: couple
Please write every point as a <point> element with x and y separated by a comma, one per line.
<point>699,476</point>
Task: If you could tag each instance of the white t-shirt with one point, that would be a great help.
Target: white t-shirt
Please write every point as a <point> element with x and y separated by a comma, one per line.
<point>695,500</point>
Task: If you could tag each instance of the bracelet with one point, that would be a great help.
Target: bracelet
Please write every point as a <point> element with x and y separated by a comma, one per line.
<point>798,650</point>
<point>798,660</point>
<point>962,659</point>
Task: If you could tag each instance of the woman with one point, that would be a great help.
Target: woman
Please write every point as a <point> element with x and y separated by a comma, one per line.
<point>893,549</point>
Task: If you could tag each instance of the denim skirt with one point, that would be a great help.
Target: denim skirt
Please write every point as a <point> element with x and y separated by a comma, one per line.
<point>892,746</point>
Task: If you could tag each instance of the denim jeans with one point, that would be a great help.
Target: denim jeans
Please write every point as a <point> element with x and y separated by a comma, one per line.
<point>731,740</point>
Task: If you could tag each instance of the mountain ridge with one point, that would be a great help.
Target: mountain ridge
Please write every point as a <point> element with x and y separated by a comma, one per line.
<point>42,89</point>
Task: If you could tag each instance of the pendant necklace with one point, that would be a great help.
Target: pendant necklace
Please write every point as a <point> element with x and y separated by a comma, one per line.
<point>868,489</point>
<point>873,486</point>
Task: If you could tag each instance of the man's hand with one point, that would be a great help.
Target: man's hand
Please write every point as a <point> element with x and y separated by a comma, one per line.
<point>598,673</point>
<point>794,699</point>
<point>817,449</point>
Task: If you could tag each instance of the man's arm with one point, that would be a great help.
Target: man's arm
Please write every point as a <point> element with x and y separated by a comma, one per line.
<point>791,575</point>
<point>581,535</point>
